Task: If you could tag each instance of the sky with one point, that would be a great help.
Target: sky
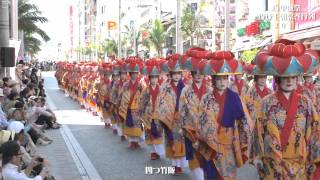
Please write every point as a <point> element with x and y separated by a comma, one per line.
<point>57,28</point>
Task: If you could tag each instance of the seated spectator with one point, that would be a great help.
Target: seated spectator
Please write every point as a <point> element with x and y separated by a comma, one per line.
<point>11,100</point>
<point>19,104</point>
<point>25,94</point>
<point>41,92</point>
<point>6,89</point>
<point>41,115</point>
<point>18,128</point>
<point>36,135</point>
<point>5,81</point>
<point>32,88</point>
<point>25,82</point>
<point>3,117</point>
<point>11,163</point>
<point>13,86</point>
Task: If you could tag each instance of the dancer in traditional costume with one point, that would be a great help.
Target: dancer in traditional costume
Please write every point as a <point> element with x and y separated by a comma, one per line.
<point>257,91</point>
<point>286,139</point>
<point>190,99</point>
<point>168,113</point>
<point>115,83</point>
<point>130,99</point>
<point>224,127</point>
<point>147,109</point>
<point>104,93</point>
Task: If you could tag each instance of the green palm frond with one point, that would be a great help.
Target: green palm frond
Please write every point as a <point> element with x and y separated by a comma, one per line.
<point>157,36</point>
<point>28,16</point>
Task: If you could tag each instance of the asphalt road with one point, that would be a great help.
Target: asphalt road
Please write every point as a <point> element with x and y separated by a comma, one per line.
<point>111,158</point>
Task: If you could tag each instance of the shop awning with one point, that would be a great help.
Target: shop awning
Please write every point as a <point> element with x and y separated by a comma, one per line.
<point>302,34</point>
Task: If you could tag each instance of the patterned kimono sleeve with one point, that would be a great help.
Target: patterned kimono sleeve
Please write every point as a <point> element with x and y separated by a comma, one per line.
<point>143,111</point>
<point>249,102</point>
<point>183,109</point>
<point>244,135</point>
<point>256,149</point>
<point>313,134</point>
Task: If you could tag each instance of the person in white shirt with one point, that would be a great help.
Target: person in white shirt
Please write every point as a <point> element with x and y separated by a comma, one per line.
<point>18,128</point>
<point>11,158</point>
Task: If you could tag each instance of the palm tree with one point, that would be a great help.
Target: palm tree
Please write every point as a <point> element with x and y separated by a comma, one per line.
<point>189,24</point>
<point>111,47</point>
<point>158,36</point>
<point>31,44</point>
<point>28,17</point>
<point>129,38</point>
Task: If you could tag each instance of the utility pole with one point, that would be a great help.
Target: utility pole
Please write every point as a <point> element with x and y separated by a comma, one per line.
<point>178,25</point>
<point>119,31</point>
<point>227,26</point>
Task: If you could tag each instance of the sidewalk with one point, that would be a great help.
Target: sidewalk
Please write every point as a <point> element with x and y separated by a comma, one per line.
<point>61,164</point>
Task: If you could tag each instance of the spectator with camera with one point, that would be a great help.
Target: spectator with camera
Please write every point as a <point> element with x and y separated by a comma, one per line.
<point>11,163</point>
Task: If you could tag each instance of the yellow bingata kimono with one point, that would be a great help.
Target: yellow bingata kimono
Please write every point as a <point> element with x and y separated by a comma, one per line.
<point>224,146</point>
<point>317,93</point>
<point>253,99</point>
<point>189,121</point>
<point>104,98</point>
<point>149,118</point>
<point>302,150</point>
<point>83,89</point>
<point>174,141</point>
<point>114,100</point>
<point>130,112</point>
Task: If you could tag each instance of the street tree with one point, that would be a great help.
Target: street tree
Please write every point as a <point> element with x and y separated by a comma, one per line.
<point>110,47</point>
<point>190,24</point>
<point>28,17</point>
<point>131,34</point>
<point>157,36</point>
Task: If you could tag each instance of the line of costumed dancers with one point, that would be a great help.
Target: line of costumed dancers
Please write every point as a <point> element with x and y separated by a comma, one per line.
<point>197,110</point>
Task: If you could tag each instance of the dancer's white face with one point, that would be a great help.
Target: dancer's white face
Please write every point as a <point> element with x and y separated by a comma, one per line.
<point>153,80</point>
<point>176,76</point>
<point>115,77</point>
<point>261,80</point>
<point>288,84</point>
<point>220,82</point>
<point>123,76</point>
<point>197,78</point>
<point>134,75</point>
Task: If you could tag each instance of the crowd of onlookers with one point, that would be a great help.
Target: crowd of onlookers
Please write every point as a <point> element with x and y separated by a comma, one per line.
<point>24,118</point>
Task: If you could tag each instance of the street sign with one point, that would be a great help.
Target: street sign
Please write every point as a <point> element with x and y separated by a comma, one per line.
<point>194,7</point>
<point>112,25</point>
